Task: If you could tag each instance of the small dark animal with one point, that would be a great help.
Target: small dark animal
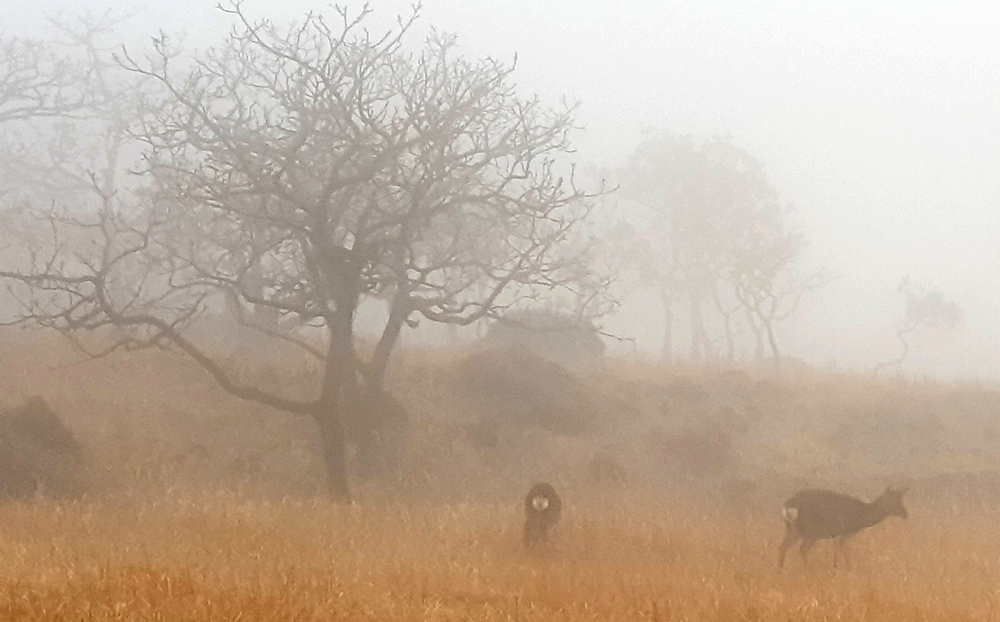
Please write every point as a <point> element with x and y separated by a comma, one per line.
<point>542,507</point>
<point>813,515</point>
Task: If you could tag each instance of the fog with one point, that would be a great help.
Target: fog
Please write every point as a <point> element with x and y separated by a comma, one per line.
<point>877,122</point>
<point>261,430</point>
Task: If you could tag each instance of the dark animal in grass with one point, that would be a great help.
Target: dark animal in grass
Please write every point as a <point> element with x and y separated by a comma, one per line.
<point>38,455</point>
<point>542,508</point>
<point>812,515</point>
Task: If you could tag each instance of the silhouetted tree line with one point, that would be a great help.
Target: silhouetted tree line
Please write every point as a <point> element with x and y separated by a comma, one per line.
<point>715,240</point>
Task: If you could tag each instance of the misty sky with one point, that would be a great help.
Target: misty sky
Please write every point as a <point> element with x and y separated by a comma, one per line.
<point>879,121</point>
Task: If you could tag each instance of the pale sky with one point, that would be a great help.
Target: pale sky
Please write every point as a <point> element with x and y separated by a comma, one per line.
<point>879,121</point>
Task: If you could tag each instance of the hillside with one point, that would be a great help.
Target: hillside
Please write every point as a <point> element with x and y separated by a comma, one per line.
<point>205,506</point>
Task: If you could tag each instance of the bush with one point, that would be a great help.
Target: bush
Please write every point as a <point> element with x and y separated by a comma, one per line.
<point>38,454</point>
<point>562,339</point>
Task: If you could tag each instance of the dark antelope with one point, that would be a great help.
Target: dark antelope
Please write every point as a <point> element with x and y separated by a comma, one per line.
<point>542,507</point>
<point>813,515</point>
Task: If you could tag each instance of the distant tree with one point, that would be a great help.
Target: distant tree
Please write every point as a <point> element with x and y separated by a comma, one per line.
<point>62,110</point>
<point>717,238</point>
<point>646,255</point>
<point>64,107</point>
<point>306,168</point>
<point>927,308</point>
<point>37,81</point>
<point>762,279</point>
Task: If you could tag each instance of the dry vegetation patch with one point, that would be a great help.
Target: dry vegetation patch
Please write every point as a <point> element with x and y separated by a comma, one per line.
<point>172,532</point>
<point>224,557</point>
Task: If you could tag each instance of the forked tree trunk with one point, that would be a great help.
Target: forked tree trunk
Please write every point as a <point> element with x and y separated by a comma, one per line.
<point>398,313</point>
<point>369,410</point>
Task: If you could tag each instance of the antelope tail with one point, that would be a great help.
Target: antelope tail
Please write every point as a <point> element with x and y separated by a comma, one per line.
<point>789,514</point>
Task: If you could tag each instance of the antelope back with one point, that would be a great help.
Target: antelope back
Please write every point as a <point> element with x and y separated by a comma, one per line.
<point>816,514</point>
<point>819,514</point>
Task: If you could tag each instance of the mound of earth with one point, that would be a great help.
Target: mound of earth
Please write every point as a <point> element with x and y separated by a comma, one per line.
<point>38,454</point>
<point>562,339</point>
<point>514,389</point>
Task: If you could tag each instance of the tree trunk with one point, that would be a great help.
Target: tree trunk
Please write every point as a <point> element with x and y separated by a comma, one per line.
<point>772,342</point>
<point>758,352</point>
<point>377,424</point>
<point>338,383</point>
<point>699,336</point>
<point>668,325</point>
<point>727,324</point>
<point>390,335</point>
<point>901,336</point>
<point>334,454</point>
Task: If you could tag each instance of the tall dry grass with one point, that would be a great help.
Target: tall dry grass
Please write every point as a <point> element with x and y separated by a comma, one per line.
<point>222,556</point>
<point>170,535</point>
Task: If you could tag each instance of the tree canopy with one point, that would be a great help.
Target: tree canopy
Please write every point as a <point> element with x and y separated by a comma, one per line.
<point>304,168</point>
<point>718,238</point>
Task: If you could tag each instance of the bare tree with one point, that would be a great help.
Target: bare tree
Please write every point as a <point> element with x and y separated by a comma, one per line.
<point>37,81</point>
<point>305,168</point>
<point>62,125</point>
<point>764,282</point>
<point>64,107</point>
<point>927,308</point>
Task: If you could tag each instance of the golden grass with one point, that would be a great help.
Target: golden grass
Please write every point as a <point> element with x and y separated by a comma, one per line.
<point>221,556</point>
<point>158,542</point>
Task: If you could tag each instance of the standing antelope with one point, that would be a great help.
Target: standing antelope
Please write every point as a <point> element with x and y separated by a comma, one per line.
<point>542,507</point>
<point>813,515</point>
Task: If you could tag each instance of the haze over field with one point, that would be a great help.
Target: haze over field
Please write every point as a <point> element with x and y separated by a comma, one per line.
<point>300,320</point>
<point>878,122</point>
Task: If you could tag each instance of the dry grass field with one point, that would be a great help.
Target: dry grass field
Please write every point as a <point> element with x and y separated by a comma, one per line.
<point>237,529</point>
